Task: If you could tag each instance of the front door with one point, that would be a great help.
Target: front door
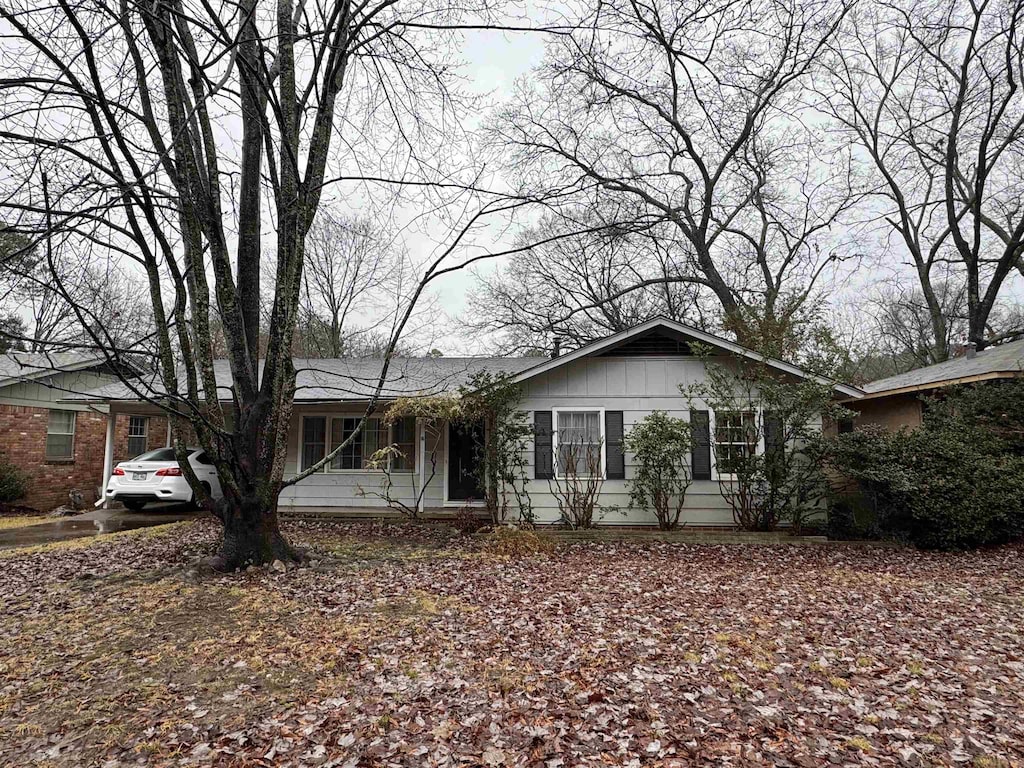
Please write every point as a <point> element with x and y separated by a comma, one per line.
<point>465,442</point>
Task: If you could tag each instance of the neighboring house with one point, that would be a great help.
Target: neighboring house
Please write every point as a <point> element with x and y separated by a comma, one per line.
<point>897,401</point>
<point>595,394</point>
<point>57,443</point>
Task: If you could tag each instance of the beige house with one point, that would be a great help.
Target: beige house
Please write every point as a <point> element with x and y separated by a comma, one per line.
<point>896,401</point>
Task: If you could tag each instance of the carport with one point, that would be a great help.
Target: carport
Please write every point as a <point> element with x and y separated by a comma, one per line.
<point>127,410</point>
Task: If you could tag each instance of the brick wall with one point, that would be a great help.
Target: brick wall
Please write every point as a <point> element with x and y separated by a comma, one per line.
<point>156,436</point>
<point>23,440</point>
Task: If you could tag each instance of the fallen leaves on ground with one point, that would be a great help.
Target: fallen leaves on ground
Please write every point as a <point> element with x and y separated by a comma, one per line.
<point>406,646</point>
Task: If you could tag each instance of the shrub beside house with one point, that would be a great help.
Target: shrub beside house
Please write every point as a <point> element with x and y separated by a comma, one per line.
<point>936,456</point>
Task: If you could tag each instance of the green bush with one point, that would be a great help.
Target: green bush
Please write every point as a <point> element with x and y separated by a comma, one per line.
<point>948,485</point>
<point>660,445</point>
<point>13,482</point>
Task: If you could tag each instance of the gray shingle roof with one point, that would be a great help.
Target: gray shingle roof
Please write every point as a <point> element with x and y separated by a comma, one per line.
<point>1005,358</point>
<point>26,366</point>
<point>356,378</point>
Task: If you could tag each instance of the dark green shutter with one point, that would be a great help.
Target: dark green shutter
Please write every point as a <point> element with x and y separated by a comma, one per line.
<point>773,433</point>
<point>700,424</point>
<point>543,466</point>
<point>613,432</point>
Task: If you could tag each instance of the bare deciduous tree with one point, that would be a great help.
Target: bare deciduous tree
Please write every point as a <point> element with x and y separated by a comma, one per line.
<point>931,92</point>
<point>185,138</point>
<point>584,288</point>
<point>694,112</point>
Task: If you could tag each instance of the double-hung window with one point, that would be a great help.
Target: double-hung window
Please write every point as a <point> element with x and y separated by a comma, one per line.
<point>323,434</point>
<point>403,437</point>
<point>579,440</point>
<point>735,439</point>
<point>60,435</point>
<point>138,432</point>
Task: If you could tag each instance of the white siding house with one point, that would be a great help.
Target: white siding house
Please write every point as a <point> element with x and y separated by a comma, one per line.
<point>613,383</point>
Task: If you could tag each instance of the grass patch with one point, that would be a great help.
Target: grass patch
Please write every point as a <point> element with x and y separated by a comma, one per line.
<point>513,542</point>
<point>23,521</point>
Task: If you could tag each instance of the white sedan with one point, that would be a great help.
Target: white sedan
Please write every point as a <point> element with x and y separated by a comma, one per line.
<point>156,476</point>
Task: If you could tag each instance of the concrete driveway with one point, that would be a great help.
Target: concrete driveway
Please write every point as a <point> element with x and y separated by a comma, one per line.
<point>95,523</point>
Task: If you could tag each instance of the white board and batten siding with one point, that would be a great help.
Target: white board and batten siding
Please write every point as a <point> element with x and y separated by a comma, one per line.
<point>634,385</point>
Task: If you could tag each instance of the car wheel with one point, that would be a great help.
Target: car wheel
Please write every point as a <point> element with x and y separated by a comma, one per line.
<point>135,505</point>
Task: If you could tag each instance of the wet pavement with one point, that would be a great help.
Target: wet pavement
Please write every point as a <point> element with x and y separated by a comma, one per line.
<point>95,523</point>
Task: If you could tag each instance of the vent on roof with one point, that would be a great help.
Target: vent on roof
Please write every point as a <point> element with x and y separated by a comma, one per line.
<point>650,345</point>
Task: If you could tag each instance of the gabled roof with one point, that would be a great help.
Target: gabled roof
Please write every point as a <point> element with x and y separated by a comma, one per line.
<point>1000,361</point>
<point>17,367</point>
<point>354,379</point>
<point>608,344</point>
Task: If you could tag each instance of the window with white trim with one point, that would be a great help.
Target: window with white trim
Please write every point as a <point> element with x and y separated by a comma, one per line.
<point>60,435</point>
<point>403,437</point>
<point>322,434</point>
<point>138,433</point>
<point>735,439</point>
<point>579,436</point>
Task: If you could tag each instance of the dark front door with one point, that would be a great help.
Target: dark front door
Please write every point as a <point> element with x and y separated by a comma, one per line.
<point>464,447</point>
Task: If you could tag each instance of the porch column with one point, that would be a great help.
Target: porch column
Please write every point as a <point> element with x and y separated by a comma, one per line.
<point>421,461</point>
<point>108,456</point>
<point>168,431</point>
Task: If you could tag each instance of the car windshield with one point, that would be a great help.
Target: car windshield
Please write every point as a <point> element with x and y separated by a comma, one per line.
<point>160,454</point>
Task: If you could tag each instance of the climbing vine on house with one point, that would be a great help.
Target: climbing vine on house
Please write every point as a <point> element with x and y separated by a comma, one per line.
<point>488,398</point>
<point>767,439</point>
<point>495,399</point>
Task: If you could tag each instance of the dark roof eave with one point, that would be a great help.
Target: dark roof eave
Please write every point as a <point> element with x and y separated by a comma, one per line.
<point>940,384</point>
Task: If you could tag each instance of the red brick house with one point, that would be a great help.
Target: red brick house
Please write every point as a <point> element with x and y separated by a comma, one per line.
<point>60,445</point>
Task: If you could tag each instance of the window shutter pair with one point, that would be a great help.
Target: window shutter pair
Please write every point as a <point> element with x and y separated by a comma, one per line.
<point>543,446</point>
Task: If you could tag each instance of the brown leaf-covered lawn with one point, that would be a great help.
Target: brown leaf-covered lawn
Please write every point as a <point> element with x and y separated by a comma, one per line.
<point>404,646</point>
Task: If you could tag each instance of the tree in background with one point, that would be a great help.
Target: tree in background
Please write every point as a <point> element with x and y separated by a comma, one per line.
<point>931,93</point>
<point>45,283</point>
<point>693,116</point>
<point>356,281</point>
<point>586,287</point>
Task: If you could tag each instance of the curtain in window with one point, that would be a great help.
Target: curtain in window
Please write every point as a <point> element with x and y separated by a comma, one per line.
<point>579,442</point>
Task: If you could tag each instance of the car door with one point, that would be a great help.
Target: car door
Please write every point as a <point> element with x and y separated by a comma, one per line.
<point>205,471</point>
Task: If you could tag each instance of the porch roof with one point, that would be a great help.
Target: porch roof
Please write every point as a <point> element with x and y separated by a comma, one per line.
<point>343,379</point>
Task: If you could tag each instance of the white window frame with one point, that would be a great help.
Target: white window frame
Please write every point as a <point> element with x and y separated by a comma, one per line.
<point>713,427</point>
<point>554,436</point>
<point>46,445</point>
<point>144,435</point>
<point>328,469</point>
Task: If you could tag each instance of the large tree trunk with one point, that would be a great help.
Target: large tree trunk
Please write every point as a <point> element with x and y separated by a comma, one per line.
<point>252,535</point>
<point>248,510</point>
